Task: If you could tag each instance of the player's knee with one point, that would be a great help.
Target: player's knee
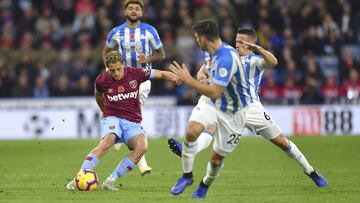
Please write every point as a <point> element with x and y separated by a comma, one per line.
<point>281,141</point>
<point>141,148</point>
<point>192,132</point>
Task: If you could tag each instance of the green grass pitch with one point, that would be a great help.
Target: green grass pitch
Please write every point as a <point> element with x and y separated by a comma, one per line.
<point>257,171</point>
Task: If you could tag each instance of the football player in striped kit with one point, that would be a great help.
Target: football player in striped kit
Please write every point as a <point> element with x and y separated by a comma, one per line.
<point>256,117</point>
<point>224,108</point>
<point>139,45</point>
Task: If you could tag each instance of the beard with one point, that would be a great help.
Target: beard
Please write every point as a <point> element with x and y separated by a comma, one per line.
<point>132,20</point>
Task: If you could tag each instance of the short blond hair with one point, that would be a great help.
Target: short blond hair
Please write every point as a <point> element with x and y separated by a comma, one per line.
<point>127,2</point>
<point>113,57</point>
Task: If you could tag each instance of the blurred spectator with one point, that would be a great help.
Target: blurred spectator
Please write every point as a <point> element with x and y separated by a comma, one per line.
<point>312,70</point>
<point>61,87</point>
<point>63,66</point>
<point>26,23</point>
<point>291,92</point>
<point>47,24</point>
<point>206,11</point>
<point>351,87</point>
<point>292,71</point>
<point>347,64</point>
<point>83,87</point>
<point>6,82</point>
<point>270,93</point>
<point>185,44</point>
<point>65,10</point>
<point>311,43</point>
<point>41,89</point>
<point>330,90</point>
<point>22,88</point>
<point>312,94</point>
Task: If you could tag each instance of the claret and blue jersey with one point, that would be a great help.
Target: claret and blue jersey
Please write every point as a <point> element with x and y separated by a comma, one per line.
<point>132,41</point>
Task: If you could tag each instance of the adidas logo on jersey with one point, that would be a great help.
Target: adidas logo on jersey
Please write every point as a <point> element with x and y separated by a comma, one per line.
<point>122,96</point>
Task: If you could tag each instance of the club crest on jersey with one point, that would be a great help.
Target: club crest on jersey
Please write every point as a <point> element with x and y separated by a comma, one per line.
<point>121,89</point>
<point>133,84</point>
<point>223,72</point>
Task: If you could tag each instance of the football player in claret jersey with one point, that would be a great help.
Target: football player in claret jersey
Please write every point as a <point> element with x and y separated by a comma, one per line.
<point>139,45</point>
<point>117,95</point>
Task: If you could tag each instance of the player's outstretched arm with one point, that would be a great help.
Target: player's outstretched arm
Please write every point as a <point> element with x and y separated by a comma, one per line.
<point>182,73</point>
<point>269,59</point>
<point>99,97</point>
<point>166,75</point>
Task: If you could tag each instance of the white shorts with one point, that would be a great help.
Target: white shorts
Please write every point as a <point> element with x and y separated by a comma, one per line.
<point>229,131</point>
<point>204,113</point>
<point>145,88</point>
<point>257,119</point>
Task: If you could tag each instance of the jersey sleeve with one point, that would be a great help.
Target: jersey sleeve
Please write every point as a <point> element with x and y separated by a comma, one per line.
<point>223,70</point>
<point>154,38</point>
<point>142,74</point>
<point>110,42</point>
<point>99,84</point>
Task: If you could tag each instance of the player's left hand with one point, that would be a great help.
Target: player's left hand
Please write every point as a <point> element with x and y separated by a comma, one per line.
<point>251,46</point>
<point>142,58</point>
<point>173,78</point>
<point>182,73</point>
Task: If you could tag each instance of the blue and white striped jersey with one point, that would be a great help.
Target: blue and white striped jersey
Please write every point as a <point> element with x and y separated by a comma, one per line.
<point>226,69</point>
<point>251,78</point>
<point>132,41</point>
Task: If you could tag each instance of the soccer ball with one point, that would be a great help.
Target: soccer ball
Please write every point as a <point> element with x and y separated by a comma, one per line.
<point>86,180</point>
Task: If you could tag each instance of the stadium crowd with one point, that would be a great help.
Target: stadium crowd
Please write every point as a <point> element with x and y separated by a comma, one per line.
<point>52,48</point>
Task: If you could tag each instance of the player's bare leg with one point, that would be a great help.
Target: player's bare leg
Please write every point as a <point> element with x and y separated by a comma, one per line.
<point>213,170</point>
<point>293,152</point>
<point>144,168</point>
<point>138,145</point>
<point>93,157</point>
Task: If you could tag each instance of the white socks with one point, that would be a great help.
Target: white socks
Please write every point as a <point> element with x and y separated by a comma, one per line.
<point>294,152</point>
<point>211,173</point>
<point>190,149</point>
<point>188,155</point>
<point>204,140</point>
<point>142,164</point>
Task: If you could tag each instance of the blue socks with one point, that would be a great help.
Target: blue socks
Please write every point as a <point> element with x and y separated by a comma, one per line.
<point>122,168</point>
<point>90,162</point>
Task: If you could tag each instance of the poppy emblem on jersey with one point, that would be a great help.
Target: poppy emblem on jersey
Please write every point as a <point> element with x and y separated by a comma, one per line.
<point>223,72</point>
<point>110,90</point>
<point>133,84</point>
<point>146,71</point>
<point>121,89</point>
<point>132,36</point>
<point>111,127</point>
